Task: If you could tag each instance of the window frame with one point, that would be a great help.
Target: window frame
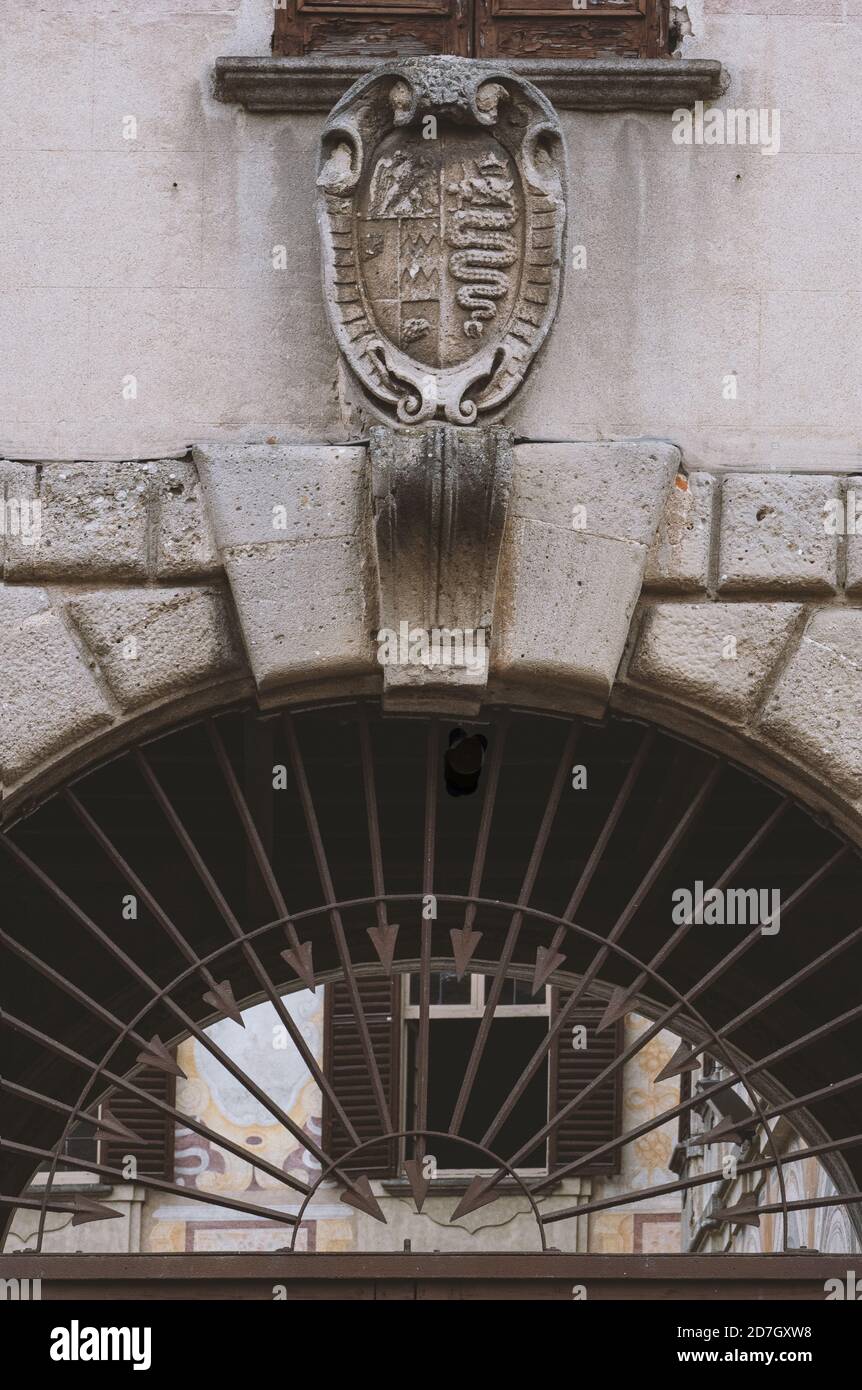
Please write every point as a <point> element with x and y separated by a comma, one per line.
<point>476,1007</point>
<point>475,28</point>
<point>409,1013</point>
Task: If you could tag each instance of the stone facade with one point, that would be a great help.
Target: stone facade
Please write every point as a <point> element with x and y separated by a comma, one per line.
<point>187,610</point>
<point>748,624</point>
<point>116,610</point>
<point>180,248</point>
<point>190,505</point>
<point>159,588</point>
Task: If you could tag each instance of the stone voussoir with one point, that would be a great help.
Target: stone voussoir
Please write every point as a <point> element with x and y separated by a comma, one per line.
<point>817,703</point>
<point>614,490</point>
<point>851,507</point>
<point>581,519</point>
<point>716,655</point>
<point>290,524</point>
<point>49,699</point>
<point>112,521</point>
<point>153,643</point>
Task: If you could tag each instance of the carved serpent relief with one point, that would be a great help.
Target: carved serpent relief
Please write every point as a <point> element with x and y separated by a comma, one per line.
<point>442,214</point>
<point>481,232</point>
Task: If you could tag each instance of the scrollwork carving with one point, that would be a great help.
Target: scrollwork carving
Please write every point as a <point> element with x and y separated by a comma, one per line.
<point>442,214</point>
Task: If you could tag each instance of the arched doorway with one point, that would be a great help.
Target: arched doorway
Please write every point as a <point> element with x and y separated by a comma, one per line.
<point>245,858</point>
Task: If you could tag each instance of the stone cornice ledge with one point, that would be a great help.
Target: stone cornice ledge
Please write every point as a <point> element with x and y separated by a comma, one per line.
<point>575,84</point>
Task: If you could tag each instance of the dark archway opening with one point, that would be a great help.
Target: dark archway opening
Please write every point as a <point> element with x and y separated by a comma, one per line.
<point>224,826</point>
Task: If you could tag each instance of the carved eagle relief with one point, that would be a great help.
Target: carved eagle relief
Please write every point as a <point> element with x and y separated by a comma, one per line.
<point>442,215</point>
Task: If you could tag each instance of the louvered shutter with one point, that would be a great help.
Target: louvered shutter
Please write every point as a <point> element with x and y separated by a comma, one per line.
<point>561,29</point>
<point>345,1066</point>
<point>372,29</point>
<point>600,1117</point>
<point>156,1157</point>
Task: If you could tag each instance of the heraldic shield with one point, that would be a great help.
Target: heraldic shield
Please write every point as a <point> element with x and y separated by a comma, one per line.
<point>442,213</point>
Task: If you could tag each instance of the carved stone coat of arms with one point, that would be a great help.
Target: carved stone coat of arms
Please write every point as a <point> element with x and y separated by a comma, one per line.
<point>442,213</point>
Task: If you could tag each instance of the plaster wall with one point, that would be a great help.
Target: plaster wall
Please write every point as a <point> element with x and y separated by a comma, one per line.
<point>152,258</point>
<point>159,1223</point>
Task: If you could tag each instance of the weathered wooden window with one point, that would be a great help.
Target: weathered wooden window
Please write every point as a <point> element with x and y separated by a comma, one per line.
<point>344,1063</point>
<point>155,1157</point>
<point>378,29</point>
<point>599,1118</point>
<point>520,1022</point>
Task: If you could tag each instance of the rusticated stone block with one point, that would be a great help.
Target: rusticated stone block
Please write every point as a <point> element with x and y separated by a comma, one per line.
<point>678,560</point>
<point>289,524</point>
<point>152,642</point>
<point>49,698</point>
<point>94,520</point>
<point>261,494</point>
<point>301,609</point>
<point>617,491</point>
<point>851,513</point>
<point>581,519</point>
<point>816,707</point>
<point>717,655</point>
<point>774,536</point>
<point>185,548</point>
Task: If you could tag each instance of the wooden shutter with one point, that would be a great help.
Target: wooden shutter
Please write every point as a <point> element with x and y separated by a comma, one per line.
<point>156,1157</point>
<point>600,1117</point>
<point>559,29</point>
<point>378,29</point>
<point>372,29</point>
<point>344,1064</point>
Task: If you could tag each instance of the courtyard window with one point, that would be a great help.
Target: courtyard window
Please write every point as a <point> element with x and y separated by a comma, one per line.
<point>521,1022</point>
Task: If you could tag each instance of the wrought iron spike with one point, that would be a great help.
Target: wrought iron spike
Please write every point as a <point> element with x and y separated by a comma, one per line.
<point>383,939</point>
<point>106,1125</point>
<point>511,941</point>
<point>693,992</point>
<point>299,958</point>
<point>157,1055</point>
<point>464,943</point>
<point>119,1081</point>
<point>479,1194</point>
<point>335,920</point>
<point>221,996</point>
<point>600,955</point>
<point>745,1213</point>
<point>682,1060</point>
<point>225,912</point>
<point>423,1039</point>
<point>84,1209</point>
<point>419,1184</point>
<point>361,1196</point>
<point>619,1004</point>
<point>547,961</point>
<point>729,1131</point>
<point>161,1185</point>
<point>109,1127</point>
<point>49,1202</point>
<point>645,1194</point>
